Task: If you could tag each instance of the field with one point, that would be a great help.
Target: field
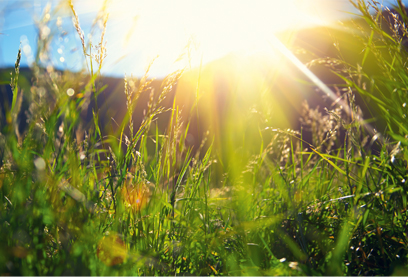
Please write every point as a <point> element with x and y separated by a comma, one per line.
<point>172,177</point>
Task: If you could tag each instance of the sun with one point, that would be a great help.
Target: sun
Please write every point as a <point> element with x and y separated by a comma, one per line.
<point>141,30</point>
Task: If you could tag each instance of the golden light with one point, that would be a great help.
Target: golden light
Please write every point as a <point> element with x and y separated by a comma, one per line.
<point>111,250</point>
<point>135,196</point>
<point>141,30</point>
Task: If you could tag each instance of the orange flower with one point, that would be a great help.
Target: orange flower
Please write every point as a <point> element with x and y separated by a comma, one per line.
<point>135,196</point>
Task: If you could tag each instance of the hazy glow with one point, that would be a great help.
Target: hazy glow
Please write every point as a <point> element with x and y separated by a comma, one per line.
<point>111,250</point>
<point>141,30</point>
<point>70,92</point>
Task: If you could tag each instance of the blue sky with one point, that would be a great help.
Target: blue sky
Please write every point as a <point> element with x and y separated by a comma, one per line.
<point>137,32</point>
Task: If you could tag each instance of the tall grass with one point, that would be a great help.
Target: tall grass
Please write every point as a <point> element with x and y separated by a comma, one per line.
<point>76,202</point>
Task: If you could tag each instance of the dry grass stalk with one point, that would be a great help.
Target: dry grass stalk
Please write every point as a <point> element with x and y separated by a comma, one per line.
<point>101,48</point>
<point>75,21</point>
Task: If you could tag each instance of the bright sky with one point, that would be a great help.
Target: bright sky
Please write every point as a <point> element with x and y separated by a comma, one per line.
<point>139,30</point>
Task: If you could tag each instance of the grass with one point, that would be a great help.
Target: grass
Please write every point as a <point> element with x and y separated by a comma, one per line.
<point>140,202</point>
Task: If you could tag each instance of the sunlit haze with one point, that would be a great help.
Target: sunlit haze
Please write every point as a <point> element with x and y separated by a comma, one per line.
<point>139,31</point>
<point>144,29</point>
<point>216,28</point>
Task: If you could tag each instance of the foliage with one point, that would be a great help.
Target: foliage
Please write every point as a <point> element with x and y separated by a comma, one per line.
<point>81,203</point>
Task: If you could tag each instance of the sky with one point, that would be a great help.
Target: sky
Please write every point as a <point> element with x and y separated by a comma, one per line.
<point>178,33</point>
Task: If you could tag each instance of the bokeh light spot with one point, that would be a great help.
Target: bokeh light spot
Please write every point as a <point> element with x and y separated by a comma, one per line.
<point>39,163</point>
<point>70,92</point>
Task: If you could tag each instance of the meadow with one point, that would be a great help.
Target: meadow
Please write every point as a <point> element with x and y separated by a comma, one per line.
<point>176,185</point>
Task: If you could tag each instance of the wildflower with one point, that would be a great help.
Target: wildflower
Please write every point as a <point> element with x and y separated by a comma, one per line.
<point>135,196</point>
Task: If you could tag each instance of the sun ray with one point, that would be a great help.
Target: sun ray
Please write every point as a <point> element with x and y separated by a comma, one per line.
<point>144,29</point>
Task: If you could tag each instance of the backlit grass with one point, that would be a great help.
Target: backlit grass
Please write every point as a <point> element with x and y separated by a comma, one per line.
<point>252,200</point>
